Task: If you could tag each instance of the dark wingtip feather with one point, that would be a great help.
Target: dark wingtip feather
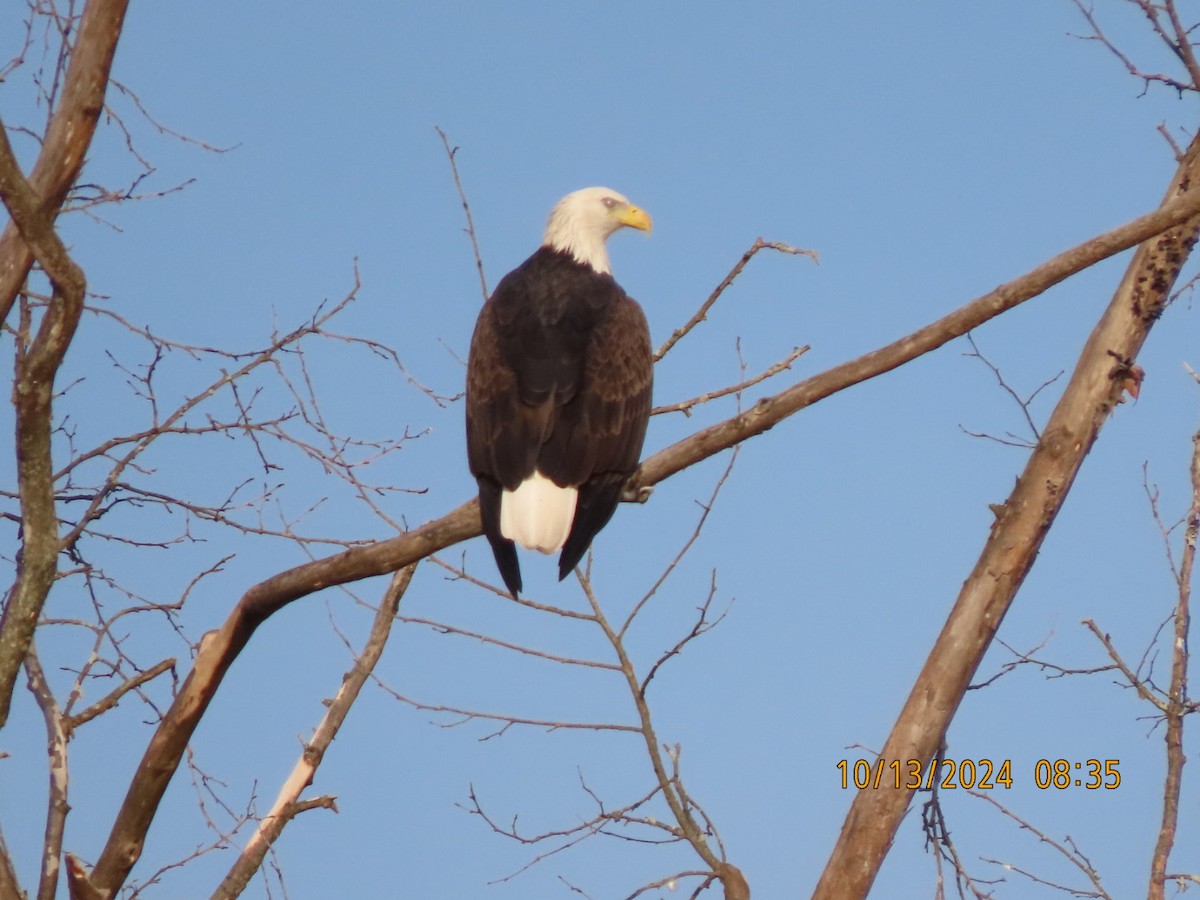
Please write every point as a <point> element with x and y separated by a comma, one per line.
<point>577,544</point>
<point>503,549</point>
<point>510,569</point>
<point>596,504</point>
<point>566,565</point>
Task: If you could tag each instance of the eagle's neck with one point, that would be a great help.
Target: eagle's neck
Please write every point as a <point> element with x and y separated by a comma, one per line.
<point>586,245</point>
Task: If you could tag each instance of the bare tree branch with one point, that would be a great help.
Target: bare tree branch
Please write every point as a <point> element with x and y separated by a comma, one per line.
<point>573,835</point>
<point>37,365</point>
<point>451,153</point>
<point>57,806</point>
<point>1173,35</point>
<point>1028,659</point>
<point>734,882</point>
<point>1066,850</point>
<point>770,411</point>
<point>288,804</point>
<point>685,406</point>
<point>1144,686</point>
<point>9,886</point>
<point>1094,391</point>
<point>1177,705</point>
<point>72,125</point>
<point>1023,402</point>
<point>937,837</point>
<point>702,313</point>
<point>110,700</point>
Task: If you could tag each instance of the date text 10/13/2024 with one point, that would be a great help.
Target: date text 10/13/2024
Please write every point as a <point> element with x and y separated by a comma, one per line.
<point>978,774</point>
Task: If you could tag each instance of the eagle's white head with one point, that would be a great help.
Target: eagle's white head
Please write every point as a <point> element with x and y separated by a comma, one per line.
<point>581,222</point>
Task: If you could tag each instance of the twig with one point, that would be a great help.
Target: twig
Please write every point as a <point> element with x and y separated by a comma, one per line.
<point>506,720</point>
<point>1177,705</point>
<point>1028,659</point>
<point>1071,854</point>
<point>671,882</point>
<point>1179,44</point>
<point>103,705</point>
<point>566,838</point>
<point>701,626</point>
<point>57,805</point>
<point>685,406</point>
<point>681,807</point>
<point>163,129</point>
<point>937,836</point>
<point>443,628</point>
<point>1023,402</point>
<point>702,313</point>
<point>1141,685</point>
<point>705,511</point>
<point>451,153</point>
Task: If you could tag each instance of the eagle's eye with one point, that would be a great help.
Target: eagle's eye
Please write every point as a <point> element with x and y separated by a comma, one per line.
<point>609,202</point>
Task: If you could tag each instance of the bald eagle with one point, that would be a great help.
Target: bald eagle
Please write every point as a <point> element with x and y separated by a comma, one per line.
<point>558,389</point>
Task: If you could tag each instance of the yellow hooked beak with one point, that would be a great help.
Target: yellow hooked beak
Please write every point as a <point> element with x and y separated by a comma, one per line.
<point>634,217</point>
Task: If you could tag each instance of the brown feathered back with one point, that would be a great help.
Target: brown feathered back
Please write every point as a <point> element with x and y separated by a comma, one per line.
<point>559,381</point>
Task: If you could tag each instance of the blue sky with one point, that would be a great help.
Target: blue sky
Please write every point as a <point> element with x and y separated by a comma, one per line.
<point>927,152</point>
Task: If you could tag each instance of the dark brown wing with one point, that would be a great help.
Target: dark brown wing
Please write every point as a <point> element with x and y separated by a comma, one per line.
<point>602,430</point>
<point>490,385</point>
<point>558,379</point>
<point>527,361</point>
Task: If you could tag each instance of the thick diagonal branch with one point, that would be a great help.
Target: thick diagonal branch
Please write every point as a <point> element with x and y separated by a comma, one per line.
<point>1021,525</point>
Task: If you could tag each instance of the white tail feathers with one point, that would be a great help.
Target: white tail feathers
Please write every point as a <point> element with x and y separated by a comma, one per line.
<point>538,514</point>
